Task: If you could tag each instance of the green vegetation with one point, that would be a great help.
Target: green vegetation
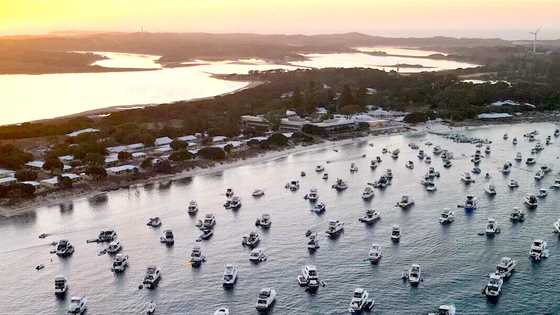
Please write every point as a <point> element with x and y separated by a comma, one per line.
<point>12,157</point>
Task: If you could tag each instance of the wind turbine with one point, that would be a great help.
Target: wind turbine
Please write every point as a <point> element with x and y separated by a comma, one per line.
<point>535,34</point>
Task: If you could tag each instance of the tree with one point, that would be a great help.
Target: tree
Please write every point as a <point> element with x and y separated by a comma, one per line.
<point>26,175</point>
<point>277,139</point>
<point>178,145</point>
<point>164,166</point>
<point>96,172</point>
<point>124,156</point>
<point>181,155</point>
<point>346,97</point>
<point>146,163</point>
<point>53,165</point>
<point>12,157</point>
<point>64,182</point>
<point>94,159</point>
<point>212,153</point>
<point>416,117</point>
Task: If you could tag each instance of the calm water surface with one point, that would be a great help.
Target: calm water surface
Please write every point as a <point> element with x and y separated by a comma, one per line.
<point>454,258</point>
<point>31,97</point>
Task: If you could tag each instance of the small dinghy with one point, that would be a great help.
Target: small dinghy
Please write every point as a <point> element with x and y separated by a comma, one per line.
<point>150,308</point>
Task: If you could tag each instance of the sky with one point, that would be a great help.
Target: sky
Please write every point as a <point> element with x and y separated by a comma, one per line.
<point>509,19</point>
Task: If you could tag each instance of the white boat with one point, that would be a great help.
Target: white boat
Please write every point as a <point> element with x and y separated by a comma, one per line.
<point>466,178</point>
<point>319,168</point>
<point>265,299</point>
<point>471,203</point>
<point>531,201</point>
<point>487,150</point>
<point>313,242</point>
<point>409,164</point>
<point>251,240</point>
<point>530,161</point>
<point>257,255</point>
<point>230,275</point>
<point>505,136</point>
<point>421,155</point>
<point>368,193</point>
<point>539,175</point>
<point>437,150</point>
<point>518,157</point>
<point>405,202</point>
<point>370,217</point>
<point>428,160</point>
<point>222,311</point>
<point>492,227</point>
<point>505,267</point>
<point>476,170</point>
<point>557,132</point>
<point>513,183</point>
<point>293,185</point>
<point>64,248</point>
<point>302,174</point>
<point>378,159</point>
<point>313,195</point>
<point>319,207</point>
<point>383,182</point>
<point>514,141</point>
<point>431,186</point>
<point>396,233</point>
<point>192,209</point>
<point>325,176</point>
<point>517,215</point>
<point>375,253</point>
<point>556,226</point>
<point>395,153</point>
<point>335,227</point>
<point>432,173</point>
<point>414,274</point>
<point>538,250</point>
<point>493,288</point>
<point>120,262</point>
<point>60,285</point>
<point>206,234</point>
<point>229,193</point>
<point>150,308</point>
<point>339,185</point>
<point>209,221</point>
<point>107,236</point>
<point>545,169</point>
<point>446,217</point>
<point>490,189</point>
<point>373,164</point>
<point>78,305</point>
<point>235,203</point>
<point>152,277</point>
<point>258,193</point>
<point>353,168</point>
<point>361,301</point>
<point>264,221</point>
<point>506,169</point>
<point>167,237</point>
<point>556,184</point>
<point>309,277</point>
<point>445,310</point>
<point>197,258</point>
<point>114,247</point>
<point>154,222</point>
<point>389,173</point>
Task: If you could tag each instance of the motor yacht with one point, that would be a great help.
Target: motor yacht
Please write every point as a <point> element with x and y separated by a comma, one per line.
<point>197,258</point>
<point>556,184</point>
<point>514,141</point>
<point>476,170</point>
<point>505,136</point>
<point>309,277</point>
<point>167,237</point>
<point>60,285</point>
<point>257,255</point>
<point>335,227</point>
<point>251,240</point>
<point>378,159</point>
<point>313,242</point>
<point>493,288</point>
<point>409,165</point>
<point>192,209</point>
<point>375,253</point>
<point>538,250</point>
<point>384,150</point>
<point>414,274</point>
<point>258,193</point>
<point>471,203</point>
<point>107,236</point>
<point>150,308</point>
<point>396,233</point>
<point>505,267</point>
<point>313,195</point>
<point>531,201</point>
<point>325,176</point>
<point>265,299</point>
<point>490,189</point>
<point>152,277</point>
<point>556,226</point>
<point>154,222</point>
<point>78,305</point>
<point>230,275</point>
<point>209,221</point>
<point>229,193</point>
<point>371,216</point>
<point>114,247</point>
<point>339,185</point>
<point>421,155</point>
<point>405,202</point>
<point>546,169</point>
<point>513,184</point>
<point>373,164</point>
<point>432,173</point>
<point>302,174</point>
<point>487,150</point>
<point>431,186</point>
<point>530,161</point>
<point>361,301</point>
<point>447,217</point>
<point>368,193</point>
<point>293,185</point>
<point>542,193</point>
<point>222,311</point>
<point>353,168</point>
<point>120,262</point>
<point>517,215</point>
<point>264,221</point>
<point>235,203</point>
<point>383,182</point>
<point>319,168</point>
<point>492,227</point>
<point>445,310</point>
<point>518,157</point>
<point>395,153</point>
<point>557,132</point>
<point>506,169</point>
<point>389,174</point>
<point>206,234</point>
<point>428,160</point>
<point>437,150</point>
<point>466,178</point>
<point>64,248</point>
<point>539,175</point>
<point>476,160</point>
<point>319,207</point>
<point>447,164</point>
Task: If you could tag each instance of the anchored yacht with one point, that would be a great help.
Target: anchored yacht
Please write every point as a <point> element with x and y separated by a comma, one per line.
<point>265,299</point>
<point>309,277</point>
<point>513,184</point>
<point>154,222</point>
<point>120,263</point>
<point>353,168</point>
<point>313,195</point>
<point>230,275</point>
<point>505,267</point>
<point>409,164</point>
<point>490,189</point>
<point>339,185</point>
<point>518,157</point>
<point>517,215</point>
<point>492,227</point>
<point>78,305</point>
<point>556,226</point>
<point>466,178</point>
<point>335,227</point>
<point>152,277</point>
<point>319,168</point>
<point>107,236</point>
<point>258,193</point>
<point>319,207</point>
<point>360,301</point>
<point>368,193</point>
<point>493,288</point>
<point>531,201</point>
<point>251,240</point>
<point>264,221</point>
<point>375,253</point>
<point>538,250</point>
<point>370,217</point>
<point>293,185</point>
<point>209,221</point>
<point>64,248</point>
<point>471,203</point>
<point>414,274</point>
<point>446,217</point>
<point>373,164</point>
<point>114,247</point>
<point>396,233</point>
<point>405,202</point>
<point>257,255</point>
<point>192,209</point>
<point>313,242</point>
<point>197,258</point>
<point>60,285</point>
<point>167,237</point>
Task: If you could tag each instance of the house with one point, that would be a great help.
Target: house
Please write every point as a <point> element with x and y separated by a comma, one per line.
<point>126,148</point>
<point>139,155</point>
<point>73,177</point>
<point>7,181</point>
<point>7,173</point>
<point>162,141</point>
<point>66,158</point>
<point>111,159</point>
<point>163,149</point>
<point>218,139</point>
<point>83,131</point>
<point>250,122</point>
<point>122,170</point>
<point>50,182</point>
<point>35,164</point>
<point>292,124</point>
<point>117,149</point>
<point>189,138</point>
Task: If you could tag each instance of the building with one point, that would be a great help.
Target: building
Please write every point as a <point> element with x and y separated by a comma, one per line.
<point>249,122</point>
<point>37,165</point>
<point>219,139</point>
<point>7,181</point>
<point>122,170</point>
<point>111,159</point>
<point>126,148</point>
<point>292,124</point>
<point>162,141</point>
<point>333,127</point>
<point>189,138</point>
<point>7,173</point>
